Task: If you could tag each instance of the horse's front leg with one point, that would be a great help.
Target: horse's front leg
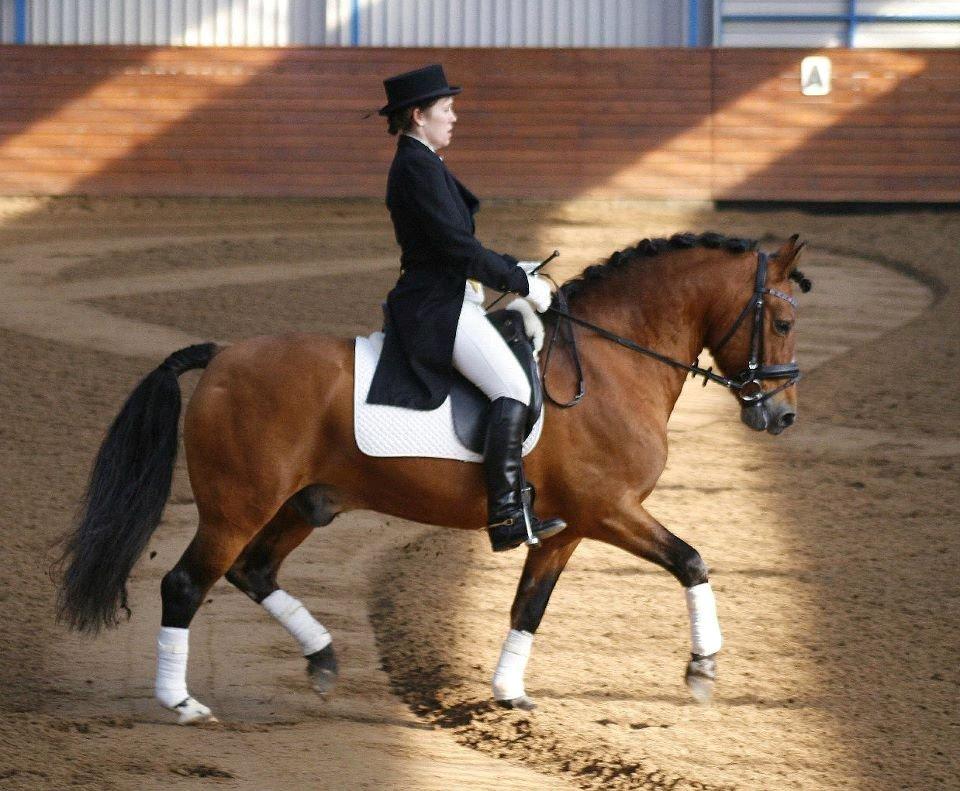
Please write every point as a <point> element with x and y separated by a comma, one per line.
<point>636,531</point>
<point>541,571</point>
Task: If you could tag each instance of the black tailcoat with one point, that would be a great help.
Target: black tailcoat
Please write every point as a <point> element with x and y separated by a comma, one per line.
<point>432,216</point>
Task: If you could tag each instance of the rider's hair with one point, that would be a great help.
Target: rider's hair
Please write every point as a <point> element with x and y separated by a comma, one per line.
<point>402,120</point>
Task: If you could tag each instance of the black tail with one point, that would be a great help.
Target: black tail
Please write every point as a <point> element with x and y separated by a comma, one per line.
<point>128,490</point>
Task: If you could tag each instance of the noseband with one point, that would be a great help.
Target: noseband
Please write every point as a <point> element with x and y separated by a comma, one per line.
<point>746,384</point>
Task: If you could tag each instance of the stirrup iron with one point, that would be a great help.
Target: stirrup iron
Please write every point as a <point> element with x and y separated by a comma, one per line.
<point>525,498</point>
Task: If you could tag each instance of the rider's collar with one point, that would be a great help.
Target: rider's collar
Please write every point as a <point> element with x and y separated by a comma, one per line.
<point>420,140</point>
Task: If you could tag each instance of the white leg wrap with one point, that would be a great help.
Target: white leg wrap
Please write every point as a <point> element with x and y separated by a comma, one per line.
<point>508,677</point>
<point>172,648</point>
<point>705,636</point>
<point>306,629</point>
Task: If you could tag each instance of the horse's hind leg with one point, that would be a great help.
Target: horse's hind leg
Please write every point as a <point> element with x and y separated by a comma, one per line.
<point>541,571</point>
<point>255,573</point>
<point>213,550</point>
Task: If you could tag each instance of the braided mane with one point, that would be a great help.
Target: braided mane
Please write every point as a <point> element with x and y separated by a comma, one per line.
<point>649,248</point>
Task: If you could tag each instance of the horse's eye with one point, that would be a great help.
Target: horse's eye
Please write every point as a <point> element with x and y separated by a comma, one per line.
<point>782,326</point>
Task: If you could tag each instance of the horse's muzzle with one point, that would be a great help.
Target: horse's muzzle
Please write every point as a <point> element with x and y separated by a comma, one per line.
<point>755,416</point>
<point>772,420</point>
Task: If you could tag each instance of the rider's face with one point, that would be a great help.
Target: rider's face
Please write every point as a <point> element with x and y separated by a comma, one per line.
<point>435,124</point>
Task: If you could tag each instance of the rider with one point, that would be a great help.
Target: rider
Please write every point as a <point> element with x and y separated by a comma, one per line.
<point>435,318</point>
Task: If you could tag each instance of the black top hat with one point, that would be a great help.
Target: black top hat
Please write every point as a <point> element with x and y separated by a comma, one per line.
<point>414,87</point>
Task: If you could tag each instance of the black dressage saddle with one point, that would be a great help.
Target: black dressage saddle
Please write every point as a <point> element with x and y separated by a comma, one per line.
<point>471,407</point>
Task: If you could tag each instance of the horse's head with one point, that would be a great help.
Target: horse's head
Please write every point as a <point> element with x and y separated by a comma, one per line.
<point>754,342</point>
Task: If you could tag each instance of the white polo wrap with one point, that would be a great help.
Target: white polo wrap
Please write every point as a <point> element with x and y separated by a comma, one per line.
<point>172,651</point>
<point>705,636</point>
<point>297,620</point>
<point>508,677</point>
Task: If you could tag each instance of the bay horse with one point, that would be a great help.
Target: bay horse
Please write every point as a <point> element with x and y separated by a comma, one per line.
<point>271,453</point>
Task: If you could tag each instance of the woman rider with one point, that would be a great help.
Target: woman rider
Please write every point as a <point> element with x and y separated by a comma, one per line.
<point>435,318</point>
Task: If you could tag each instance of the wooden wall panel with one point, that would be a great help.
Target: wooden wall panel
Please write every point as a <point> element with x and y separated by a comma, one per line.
<point>552,123</point>
<point>888,131</point>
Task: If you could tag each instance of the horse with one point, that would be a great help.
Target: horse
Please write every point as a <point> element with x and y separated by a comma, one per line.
<point>271,453</point>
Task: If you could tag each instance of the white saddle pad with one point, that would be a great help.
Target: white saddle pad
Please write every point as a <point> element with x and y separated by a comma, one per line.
<point>396,431</point>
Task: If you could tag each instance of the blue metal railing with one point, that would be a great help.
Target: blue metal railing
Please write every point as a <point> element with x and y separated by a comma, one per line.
<point>693,26</point>
<point>851,19</point>
<point>355,24</point>
<point>851,22</point>
<point>20,22</point>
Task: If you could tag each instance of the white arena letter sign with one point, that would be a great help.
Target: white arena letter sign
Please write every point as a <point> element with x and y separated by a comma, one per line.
<point>815,75</point>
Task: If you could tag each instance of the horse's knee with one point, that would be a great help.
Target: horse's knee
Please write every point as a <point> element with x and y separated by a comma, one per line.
<point>181,598</point>
<point>690,569</point>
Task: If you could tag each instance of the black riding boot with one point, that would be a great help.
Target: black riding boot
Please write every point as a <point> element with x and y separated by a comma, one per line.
<point>503,470</point>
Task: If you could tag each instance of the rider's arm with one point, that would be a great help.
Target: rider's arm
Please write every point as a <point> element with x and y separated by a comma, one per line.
<point>427,197</point>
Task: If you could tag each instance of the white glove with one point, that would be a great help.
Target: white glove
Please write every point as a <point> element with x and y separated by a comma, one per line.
<point>540,295</point>
<point>528,266</point>
<point>532,325</point>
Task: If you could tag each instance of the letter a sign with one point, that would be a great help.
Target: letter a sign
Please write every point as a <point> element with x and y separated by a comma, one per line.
<point>815,76</point>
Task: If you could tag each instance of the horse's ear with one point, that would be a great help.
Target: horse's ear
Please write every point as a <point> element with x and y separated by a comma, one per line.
<point>786,258</point>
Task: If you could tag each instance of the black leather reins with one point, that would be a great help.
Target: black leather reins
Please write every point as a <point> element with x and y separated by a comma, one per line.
<point>750,377</point>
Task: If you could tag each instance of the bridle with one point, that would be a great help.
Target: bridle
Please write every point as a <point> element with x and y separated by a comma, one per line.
<point>746,384</point>
<point>756,371</point>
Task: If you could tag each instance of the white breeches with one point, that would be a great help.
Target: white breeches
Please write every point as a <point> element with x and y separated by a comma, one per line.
<point>482,355</point>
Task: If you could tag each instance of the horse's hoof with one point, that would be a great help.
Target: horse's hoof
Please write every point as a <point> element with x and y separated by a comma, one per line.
<point>523,703</point>
<point>193,712</point>
<point>700,688</point>
<point>701,676</point>
<point>322,669</point>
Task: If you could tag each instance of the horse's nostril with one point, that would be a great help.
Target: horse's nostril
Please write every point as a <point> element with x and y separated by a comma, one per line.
<point>787,418</point>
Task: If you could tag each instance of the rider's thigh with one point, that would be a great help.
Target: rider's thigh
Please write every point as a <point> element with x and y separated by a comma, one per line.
<point>481,354</point>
